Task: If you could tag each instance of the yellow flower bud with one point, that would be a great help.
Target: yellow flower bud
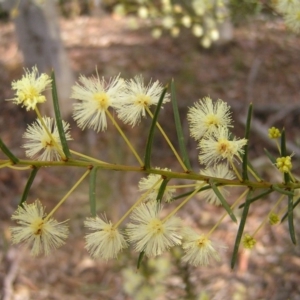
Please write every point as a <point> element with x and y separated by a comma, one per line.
<point>284,164</point>
<point>274,133</point>
<point>273,219</point>
<point>248,241</point>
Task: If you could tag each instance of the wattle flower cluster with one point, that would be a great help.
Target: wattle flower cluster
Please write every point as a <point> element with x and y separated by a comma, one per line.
<point>148,231</point>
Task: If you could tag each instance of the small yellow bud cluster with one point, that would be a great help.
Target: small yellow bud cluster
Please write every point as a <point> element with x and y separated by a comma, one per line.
<point>273,219</point>
<point>274,133</point>
<point>284,164</point>
<point>248,241</point>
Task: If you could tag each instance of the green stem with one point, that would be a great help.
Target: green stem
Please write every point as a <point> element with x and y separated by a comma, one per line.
<point>137,203</point>
<point>68,194</point>
<point>165,173</point>
<point>88,157</point>
<point>19,168</point>
<point>6,165</point>
<point>168,141</point>
<point>125,138</point>
<point>182,186</point>
<point>58,148</point>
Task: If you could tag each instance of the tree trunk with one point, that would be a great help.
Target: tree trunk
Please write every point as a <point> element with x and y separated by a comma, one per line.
<point>38,35</point>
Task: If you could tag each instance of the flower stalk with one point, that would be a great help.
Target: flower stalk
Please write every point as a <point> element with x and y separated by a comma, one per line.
<point>125,138</point>
<point>68,194</point>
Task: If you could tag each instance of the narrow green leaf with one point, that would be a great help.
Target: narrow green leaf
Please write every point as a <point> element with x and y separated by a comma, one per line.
<point>270,156</point>
<point>291,220</point>
<point>92,191</point>
<point>59,121</point>
<point>223,201</point>
<point>207,187</point>
<point>281,191</point>
<point>286,176</point>
<point>162,189</point>
<point>152,128</point>
<point>240,230</point>
<point>283,143</point>
<point>263,194</point>
<point>141,256</point>
<point>7,152</point>
<point>179,130</point>
<point>28,185</point>
<point>247,134</point>
<point>286,214</point>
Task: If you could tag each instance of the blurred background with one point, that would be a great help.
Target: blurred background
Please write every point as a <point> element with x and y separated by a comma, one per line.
<point>239,51</point>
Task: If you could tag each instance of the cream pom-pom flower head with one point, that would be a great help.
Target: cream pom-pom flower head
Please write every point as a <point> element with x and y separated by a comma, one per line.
<point>217,146</point>
<point>198,248</point>
<point>106,242</point>
<point>206,116</point>
<point>147,182</point>
<point>95,96</point>
<point>292,18</point>
<point>29,88</point>
<point>137,98</point>
<point>34,228</point>
<point>151,234</point>
<point>39,144</point>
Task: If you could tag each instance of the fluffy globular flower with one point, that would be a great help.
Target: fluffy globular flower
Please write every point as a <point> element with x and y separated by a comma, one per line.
<point>217,146</point>
<point>186,21</point>
<point>284,6</point>
<point>137,97</point>
<point>39,144</point>
<point>106,242</point>
<point>205,116</point>
<point>146,183</point>
<point>198,248</point>
<point>200,7</point>
<point>292,18</point>
<point>34,228</point>
<point>29,89</point>
<point>95,96</point>
<point>218,171</point>
<point>151,234</point>
<point>143,12</point>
